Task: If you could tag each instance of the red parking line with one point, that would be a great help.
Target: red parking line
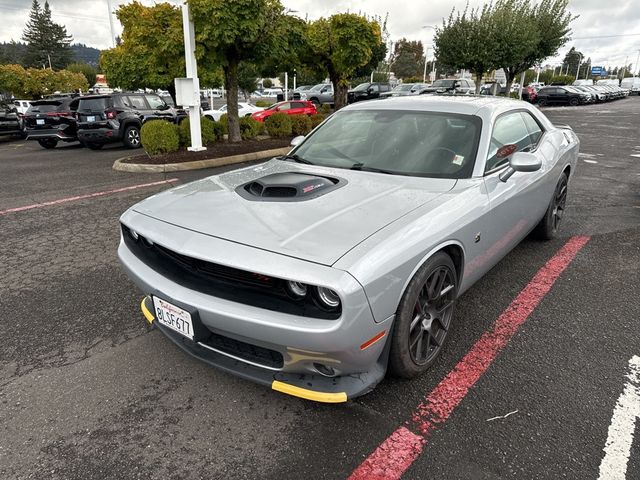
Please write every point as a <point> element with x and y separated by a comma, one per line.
<point>396,454</point>
<point>82,197</point>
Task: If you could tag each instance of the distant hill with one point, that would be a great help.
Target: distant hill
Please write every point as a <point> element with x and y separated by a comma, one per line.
<point>13,52</point>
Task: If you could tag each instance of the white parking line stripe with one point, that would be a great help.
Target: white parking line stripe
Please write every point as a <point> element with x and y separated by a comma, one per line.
<point>620,436</point>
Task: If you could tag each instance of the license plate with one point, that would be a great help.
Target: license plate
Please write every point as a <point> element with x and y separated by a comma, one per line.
<point>40,121</point>
<point>91,118</point>
<point>173,317</point>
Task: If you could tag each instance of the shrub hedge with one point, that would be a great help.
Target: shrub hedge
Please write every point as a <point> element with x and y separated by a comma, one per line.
<point>250,128</point>
<point>224,121</point>
<point>317,119</point>
<point>300,125</point>
<point>159,136</point>
<point>210,132</point>
<point>278,125</point>
<point>263,103</point>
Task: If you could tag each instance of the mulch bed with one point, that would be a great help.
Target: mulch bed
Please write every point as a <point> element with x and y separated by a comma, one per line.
<point>217,150</point>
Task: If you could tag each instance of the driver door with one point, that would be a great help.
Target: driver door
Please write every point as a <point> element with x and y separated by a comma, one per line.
<point>515,204</point>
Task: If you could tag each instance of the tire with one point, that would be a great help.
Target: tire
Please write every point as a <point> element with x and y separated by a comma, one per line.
<point>48,143</point>
<point>542,102</point>
<point>574,102</point>
<point>547,229</point>
<point>93,146</point>
<point>131,137</point>
<point>316,102</point>
<point>423,315</point>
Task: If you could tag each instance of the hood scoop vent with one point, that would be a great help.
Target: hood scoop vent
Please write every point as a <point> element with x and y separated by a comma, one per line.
<point>288,187</point>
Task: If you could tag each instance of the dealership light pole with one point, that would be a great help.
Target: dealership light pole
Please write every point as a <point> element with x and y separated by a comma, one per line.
<point>424,75</point>
<point>635,71</point>
<point>113,33</point>
<point>578,69</point>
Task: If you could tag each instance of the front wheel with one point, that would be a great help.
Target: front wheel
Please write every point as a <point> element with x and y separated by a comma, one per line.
<point>48,143</point>
<point>542,102</point>
<point>548,226</point>
<point>424,317</point>
<point>574,102</point>
<point>132,137</point>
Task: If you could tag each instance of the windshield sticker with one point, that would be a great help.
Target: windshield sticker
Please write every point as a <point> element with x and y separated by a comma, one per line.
<point>458,159</point>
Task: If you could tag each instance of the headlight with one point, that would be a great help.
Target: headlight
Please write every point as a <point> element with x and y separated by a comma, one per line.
<point>297,290</point>
<point>328,298</point>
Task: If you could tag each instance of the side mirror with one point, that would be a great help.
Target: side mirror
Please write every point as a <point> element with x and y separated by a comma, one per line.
<point>296,140</point>
<point>521,162</point>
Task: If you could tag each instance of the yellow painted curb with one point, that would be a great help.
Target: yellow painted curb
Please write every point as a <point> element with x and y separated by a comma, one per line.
<point>197,164</point>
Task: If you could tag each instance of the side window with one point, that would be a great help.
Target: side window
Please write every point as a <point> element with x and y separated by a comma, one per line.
<point>510,135</point>
<point>119,101</point>
<point>385,88</point>
<point>137,101</point>
<point>535,131</point>
<point>155,102</point>
<point>297,105</point>
<point>375,88</point>
<point>73,106</point>
<point>285,106</point>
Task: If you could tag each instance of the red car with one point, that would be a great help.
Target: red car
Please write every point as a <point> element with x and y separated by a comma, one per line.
<point>293,107</point>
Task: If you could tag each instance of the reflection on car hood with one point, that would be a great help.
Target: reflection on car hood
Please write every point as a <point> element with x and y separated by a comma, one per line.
<point>320,229</point>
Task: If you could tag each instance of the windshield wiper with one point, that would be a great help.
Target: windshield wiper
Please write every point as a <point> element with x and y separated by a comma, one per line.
<point>297,158</point>
<point>364,168</point>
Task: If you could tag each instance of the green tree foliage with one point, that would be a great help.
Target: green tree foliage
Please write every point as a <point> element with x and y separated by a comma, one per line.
<point>247,78</point>
<point>252,31</point>
<point>408,58</point>
<point>467,41</point>
<point>159,137</point>
<point>85,69</point>
<point>151,51</point>
<point>267,83</point>
<point>341,44</point>
<point>47,41</point>
<point>36,82</point>
<point>529,33</point>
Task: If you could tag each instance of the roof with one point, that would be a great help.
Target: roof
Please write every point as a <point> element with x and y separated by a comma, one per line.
<point>464,104</point>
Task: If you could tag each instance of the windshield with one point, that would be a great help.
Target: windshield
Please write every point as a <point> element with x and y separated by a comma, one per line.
<point>317,88</point>
<point>361,87</point>
<point>44,107</point>
<point>404,87</point>
<point>428,144</point>
<point>443,83</point>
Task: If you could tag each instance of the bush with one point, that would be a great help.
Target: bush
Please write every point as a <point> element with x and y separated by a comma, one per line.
<point>250,128</point>
<point>224,121</point>
<point>263,103</point>
<point>325,109</point>
<point>210,132</point>
<point>300,125</point>
<point>159,136</point>
<point>317,119</point>
<point>278,125</point>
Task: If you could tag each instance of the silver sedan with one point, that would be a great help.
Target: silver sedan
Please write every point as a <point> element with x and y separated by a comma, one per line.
<point>318,272</point>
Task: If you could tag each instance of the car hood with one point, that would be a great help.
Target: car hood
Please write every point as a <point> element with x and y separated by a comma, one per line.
<point>320,229</point>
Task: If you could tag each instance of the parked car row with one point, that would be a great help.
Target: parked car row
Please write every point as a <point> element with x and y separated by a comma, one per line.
<point>579,94</point>
<point>93,120</point>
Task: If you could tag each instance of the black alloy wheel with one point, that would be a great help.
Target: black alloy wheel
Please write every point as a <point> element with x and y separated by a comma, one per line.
<point>574,101</point>
<point>132,137</point>
<point>424,317</point>
<point>550,223</point>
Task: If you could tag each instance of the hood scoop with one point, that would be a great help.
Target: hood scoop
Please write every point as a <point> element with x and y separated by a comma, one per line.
<point>288,187</point>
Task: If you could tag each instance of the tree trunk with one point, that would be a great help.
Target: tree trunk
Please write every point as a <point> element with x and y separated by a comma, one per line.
<point>479,76</point>
<point>231,85</point>
<point>339,91</point>
<point>510,77</point>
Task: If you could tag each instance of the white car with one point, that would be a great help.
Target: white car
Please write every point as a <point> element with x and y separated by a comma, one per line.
<point>22,106</point>
<point>244,110</point>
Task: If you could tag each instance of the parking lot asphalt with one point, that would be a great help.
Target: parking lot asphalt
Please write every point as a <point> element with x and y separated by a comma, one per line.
<point>87,391</point>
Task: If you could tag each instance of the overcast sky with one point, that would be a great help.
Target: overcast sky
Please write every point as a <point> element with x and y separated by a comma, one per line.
<point>88,21</point>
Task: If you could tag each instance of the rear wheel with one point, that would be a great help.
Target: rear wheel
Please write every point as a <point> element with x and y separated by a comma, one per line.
<point>424,317</point>
<point>548,226</point>
<point>132,137</point>
<point>48,143</point>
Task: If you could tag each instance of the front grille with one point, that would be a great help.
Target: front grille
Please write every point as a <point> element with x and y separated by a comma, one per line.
<point>220,281</point>
<point>245,351</point>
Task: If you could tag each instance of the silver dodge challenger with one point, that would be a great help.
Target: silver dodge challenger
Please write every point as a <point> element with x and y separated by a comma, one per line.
<point>316,272</point>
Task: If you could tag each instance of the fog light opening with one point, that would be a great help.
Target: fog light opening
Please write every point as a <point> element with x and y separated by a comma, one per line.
<point>324,370</point>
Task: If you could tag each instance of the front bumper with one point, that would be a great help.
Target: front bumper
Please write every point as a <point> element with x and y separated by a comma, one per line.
<point>302,343</point>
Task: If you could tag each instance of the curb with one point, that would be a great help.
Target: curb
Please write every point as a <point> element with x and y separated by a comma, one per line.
<point>197,164</point>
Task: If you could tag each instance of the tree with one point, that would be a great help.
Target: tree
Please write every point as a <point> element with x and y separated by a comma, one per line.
<point>151,53</point>
<point>571,60</point>
<point>85,69</point>
<point>252,31</point>
<point>529,34</point>
<point>267,83</point>
<point>339,45</point>
<point>408,59</point>
<point>47,42</point>
<point>35,82</point>
<point>468,41</point>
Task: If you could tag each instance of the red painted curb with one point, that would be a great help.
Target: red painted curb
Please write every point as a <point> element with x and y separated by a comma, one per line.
<point>396,454</point>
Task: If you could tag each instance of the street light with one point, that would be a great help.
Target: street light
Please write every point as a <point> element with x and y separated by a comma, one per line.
<point>579,62</point>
